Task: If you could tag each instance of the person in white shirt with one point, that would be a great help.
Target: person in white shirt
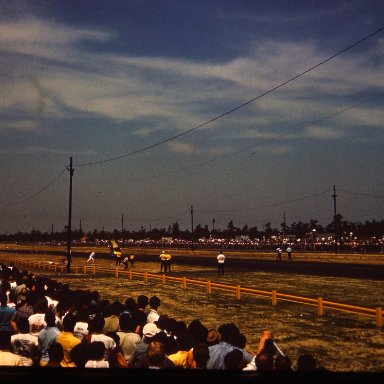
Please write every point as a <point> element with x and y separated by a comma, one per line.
<point>220,263</point>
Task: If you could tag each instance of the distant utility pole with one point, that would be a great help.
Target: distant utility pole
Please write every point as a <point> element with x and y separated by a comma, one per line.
<point>335,218</point>
<point>69,240</point>
<point>192,220</point>
<point>192,245</point>
<point>213,224</point>
<point>122,224</point>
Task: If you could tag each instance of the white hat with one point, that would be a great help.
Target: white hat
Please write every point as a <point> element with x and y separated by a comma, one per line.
<point>150,330</point>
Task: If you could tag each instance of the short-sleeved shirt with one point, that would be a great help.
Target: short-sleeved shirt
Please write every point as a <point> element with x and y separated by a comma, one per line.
<point>220,258</point>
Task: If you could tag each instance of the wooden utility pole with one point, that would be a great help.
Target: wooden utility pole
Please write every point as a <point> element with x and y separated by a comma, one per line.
<point>69,240</point>
<point>335,219</point>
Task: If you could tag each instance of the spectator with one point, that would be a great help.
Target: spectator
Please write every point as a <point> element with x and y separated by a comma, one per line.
<point>264,362</point>
<point>68,340</point>
<point>7,358</point>
<point>128,338</point>
<point>139,358</point>
<point>81,326</point>
<point>200,355</point>
<point>25,344</point>
<point>47,336</point>
<point>165,334</point>
<point>96,352</point>
<point>55,355</point>
<point>306,363</point>
<point>36,320</point>
<point>140,315</point>
<point>234,360</point>
<point>154,304</point>
<point>156,358</point>
<point>228,338</point>
<point>111,316</point>
<point>180,358</point>
<point>6,315</point>
<point>96,326</point>
<point>283,364</point>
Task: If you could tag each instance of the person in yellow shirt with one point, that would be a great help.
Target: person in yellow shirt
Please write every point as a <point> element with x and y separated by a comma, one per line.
<point>68,340</point>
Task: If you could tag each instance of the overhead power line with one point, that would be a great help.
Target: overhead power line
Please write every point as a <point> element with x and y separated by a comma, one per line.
<point>38,192</point>
<point>265,141</point>
<point>270,205</point>
<point>135,152</point>
<point>361,194</point>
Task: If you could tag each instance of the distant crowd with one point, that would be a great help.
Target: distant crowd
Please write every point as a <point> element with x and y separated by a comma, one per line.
<point>43,323</point>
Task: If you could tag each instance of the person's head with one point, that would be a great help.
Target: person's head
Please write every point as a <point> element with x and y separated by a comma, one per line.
<point>184,342</point>
<point>154,302</point>
<point>96,350</point>
<point>213,337</point>
<point>201,355</point>
<point>283,364</point>
<point>41,305</point>
<point>270,347</point>
<point>306,363</point>
<point>234,360</point>
<point>264,362</point>
<point>96,324</point>
<point>198,331</point>
<point>229,333</point>
<point>162,322</point>
<point>5,340</point>
<point>3,299</point>
<point>155,354</point>
<point>78,354</point>
<point>130,304</point>
<point>56,352</point>
<point>142,301</point>
<point>23,325</point>
<point>50,319</point>
<point>69,322</point>
<point>126,323</point>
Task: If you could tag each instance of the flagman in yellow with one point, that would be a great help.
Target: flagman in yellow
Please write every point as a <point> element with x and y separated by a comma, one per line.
<point>116,252</point>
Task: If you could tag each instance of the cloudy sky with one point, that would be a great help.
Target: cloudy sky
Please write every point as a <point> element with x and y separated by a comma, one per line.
<point>245,110</point>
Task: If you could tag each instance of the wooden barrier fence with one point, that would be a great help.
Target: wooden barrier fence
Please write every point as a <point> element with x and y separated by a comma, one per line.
<point>238,290</point>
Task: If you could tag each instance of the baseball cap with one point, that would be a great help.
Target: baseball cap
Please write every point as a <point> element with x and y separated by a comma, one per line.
<point>150,330</point>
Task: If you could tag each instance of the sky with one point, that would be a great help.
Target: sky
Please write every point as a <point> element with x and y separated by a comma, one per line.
<point>244,111</point>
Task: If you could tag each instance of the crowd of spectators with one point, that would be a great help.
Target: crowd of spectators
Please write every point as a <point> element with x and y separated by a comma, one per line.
<point>319,242</point>
<point>43,323</point>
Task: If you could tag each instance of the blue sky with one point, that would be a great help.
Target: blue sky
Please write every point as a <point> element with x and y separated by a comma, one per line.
<point>127,88</point>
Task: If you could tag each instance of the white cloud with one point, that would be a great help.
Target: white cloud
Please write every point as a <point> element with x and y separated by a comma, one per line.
<point>323,133</point>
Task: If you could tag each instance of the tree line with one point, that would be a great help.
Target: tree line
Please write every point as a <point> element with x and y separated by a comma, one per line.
<point>338,228</point>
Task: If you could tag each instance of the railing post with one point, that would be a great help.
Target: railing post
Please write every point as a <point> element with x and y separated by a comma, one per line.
<point>320,307</point>
<point>117,272</point>
<point>379,317</point>
<point>184,283</point>
<point>163,278</point>
<point>85,269</point>
<point>130,275</point>
<point>94,269</point>
<point>238,293</point>
<point>209,287</point>
<point>146,277</point>
<point>274,297</point>
<point>76,268</point>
